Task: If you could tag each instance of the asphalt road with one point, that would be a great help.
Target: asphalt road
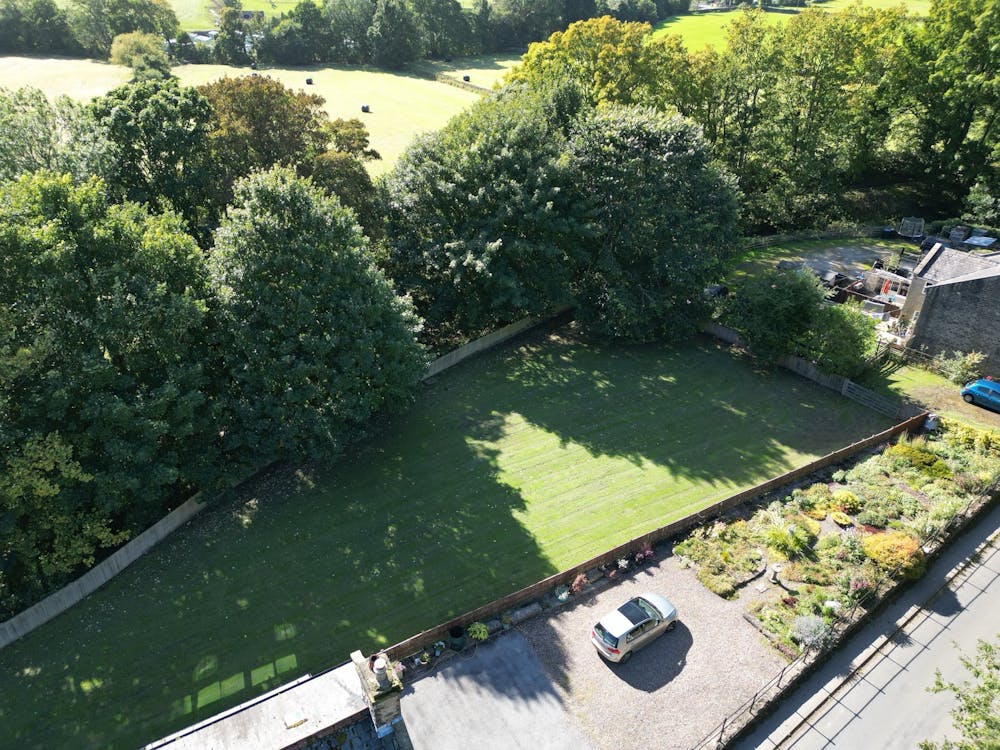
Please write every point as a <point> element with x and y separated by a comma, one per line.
<point>873,692</point>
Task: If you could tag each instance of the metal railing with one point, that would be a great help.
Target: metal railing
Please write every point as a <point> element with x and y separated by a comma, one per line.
<point>734,723</point>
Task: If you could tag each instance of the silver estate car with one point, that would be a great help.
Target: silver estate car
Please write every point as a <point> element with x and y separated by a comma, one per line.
<point>633,625</point>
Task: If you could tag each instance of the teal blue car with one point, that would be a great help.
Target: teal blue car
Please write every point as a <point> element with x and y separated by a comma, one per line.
<point>983,392</point>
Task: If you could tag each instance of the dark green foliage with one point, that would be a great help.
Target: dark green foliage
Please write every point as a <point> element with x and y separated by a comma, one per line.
<point>444,28</point>
<point>774,311</point>
<point>95,23</point>
<point>300,37</point>
<point>35,26</point>
<point>314,340</point>
<point>345,176</point>
<point>159,132</point>
<point>257,122</point>
<point>664,224</point>
<point>349,23</point>
<point>60,136</point>
<point>479,221</point>
<point>841,341</point>
<point>103,391</point>
<point>393,37</point>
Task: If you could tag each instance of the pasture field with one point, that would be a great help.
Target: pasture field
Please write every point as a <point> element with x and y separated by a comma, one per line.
<point>485,71</point>
<point>510,467</point>
<point>709,29</point>
<point>401,105</point>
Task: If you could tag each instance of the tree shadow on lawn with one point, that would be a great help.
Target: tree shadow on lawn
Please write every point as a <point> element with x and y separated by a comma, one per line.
<point>700,412</point>
<point>288,578</point>
<point>417,525</point>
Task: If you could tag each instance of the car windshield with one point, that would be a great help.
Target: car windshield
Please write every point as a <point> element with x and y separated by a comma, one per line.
<point>605,636</point>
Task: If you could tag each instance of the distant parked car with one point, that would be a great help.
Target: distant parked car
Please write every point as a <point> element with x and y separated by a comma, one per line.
<point>984,392</point>
<point>633,625</point>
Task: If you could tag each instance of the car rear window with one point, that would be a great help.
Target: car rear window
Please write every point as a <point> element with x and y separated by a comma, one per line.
<point>605,636</point>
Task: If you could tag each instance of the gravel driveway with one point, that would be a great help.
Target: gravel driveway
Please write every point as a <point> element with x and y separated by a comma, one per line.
<point>674,691</point>
<point>670,695</point>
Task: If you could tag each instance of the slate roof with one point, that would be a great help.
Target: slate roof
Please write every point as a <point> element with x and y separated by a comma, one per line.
<point>946,265</point>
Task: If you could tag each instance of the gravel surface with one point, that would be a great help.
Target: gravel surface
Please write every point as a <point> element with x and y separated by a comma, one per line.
<point>673,692</point>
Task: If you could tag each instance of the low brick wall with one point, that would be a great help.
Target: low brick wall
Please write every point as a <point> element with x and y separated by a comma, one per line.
<point>539,589</point>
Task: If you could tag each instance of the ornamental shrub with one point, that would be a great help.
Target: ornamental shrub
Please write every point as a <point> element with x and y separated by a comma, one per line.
<point>918,457</point>
<point>811,631</point>
<point>846,501</point>
<point>896,551</point>
<point>960,368</point>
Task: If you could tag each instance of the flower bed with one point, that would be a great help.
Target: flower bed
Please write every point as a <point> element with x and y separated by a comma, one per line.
<point>840,541</point>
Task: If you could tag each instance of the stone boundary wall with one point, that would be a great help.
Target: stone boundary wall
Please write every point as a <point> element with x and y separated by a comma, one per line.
<point>537,590</point>
<point>486,342</point>
<point>57,603</point>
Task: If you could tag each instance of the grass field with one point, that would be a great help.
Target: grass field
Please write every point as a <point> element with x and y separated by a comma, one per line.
<point>511,467</point>
<point>401,105</point>
<point>709,29</point>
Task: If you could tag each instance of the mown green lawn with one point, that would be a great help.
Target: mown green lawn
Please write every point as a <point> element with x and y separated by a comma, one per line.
<point>509,468</point>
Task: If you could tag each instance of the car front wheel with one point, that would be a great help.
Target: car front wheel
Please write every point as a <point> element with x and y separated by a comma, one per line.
<point>967,398</point>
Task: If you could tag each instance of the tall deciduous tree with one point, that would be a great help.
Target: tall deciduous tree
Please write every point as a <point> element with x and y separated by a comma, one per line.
<point>349,22</point>
<point>479,219</point>
<point>610,61</point>
<point>144,53</point>
<point>315,339</point>
<point>258,122</point>
<point>60,136</point>
<point>663,218</point>
<point>960,88</point>
<point>159,132</point>
<point>95,23</point>
<point>394,36</point>
<point>102,388</point>
<point>35,26</point>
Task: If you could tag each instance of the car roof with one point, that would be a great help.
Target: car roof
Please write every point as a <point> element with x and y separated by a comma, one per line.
<point>986,383</point>
<point>630,614</point>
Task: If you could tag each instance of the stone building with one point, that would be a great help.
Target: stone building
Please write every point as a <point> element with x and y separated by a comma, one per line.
<point>954,304</point>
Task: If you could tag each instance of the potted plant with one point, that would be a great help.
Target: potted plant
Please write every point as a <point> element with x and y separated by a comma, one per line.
<point>478,631</point>
<point>456,637</point>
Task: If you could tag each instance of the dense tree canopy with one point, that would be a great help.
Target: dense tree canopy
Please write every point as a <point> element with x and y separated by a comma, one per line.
<point>664,221</point>
<point>103,391</point>
<point>316,339</point>
<point>478,217</point>
<point>96,23</point>
<point>257,122</point>
<point>774,311</point>
<point>60,136</point>
<point>159,133</point>
<point>35,26</point>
